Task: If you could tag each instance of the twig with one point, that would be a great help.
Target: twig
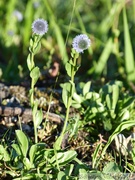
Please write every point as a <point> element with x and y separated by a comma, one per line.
<point>26,114</point>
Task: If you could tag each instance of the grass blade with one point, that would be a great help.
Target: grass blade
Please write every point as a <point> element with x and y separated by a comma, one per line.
<point>104,57</point>
<point>28,18</point>
<point>129,57</point>
<point>58,33</point>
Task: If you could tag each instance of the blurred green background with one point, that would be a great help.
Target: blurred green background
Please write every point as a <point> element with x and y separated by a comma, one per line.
<point>110,24</point>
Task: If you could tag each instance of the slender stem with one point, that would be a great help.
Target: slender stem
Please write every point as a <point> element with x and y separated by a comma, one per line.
<point>66,119</point>
<point>32,98</point>
<point>35,130</point>
<point>32,60</point>
<point>32,84</point>
<point>70,97</point>
<point>32,94</point>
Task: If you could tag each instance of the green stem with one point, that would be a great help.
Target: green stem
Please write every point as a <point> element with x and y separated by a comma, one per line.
<point>32,98</point>
<point>35,130</point>
<point>32,94</point>
<point>32,60</point>
<point>70,98</point>
<point>32,83</point>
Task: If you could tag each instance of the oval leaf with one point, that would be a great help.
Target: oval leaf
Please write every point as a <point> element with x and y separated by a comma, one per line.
<point>22,142</point>
<point>86,88</point>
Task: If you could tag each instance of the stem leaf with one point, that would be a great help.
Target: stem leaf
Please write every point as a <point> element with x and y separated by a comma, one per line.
<point>35,74</point>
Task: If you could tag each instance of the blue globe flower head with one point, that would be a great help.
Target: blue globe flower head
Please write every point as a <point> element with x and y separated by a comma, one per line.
<point>40,27</point>
<point>81,42</point>
<point>18,15</point>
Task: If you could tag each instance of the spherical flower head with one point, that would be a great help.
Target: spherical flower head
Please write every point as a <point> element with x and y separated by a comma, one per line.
<point>40,27</point>
<point>81,42</point>
<point>18,15</point>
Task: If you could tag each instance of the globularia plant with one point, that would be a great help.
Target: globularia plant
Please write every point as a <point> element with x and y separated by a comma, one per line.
<point>39,28</point>
<point>80,43</point>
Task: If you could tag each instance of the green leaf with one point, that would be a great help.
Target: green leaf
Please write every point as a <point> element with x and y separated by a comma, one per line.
<point>88,95</point>
<point>27,163</point>
<point>37,48</point>
<point>39,117</point>
<point>4,154</point>
<point>35,107</point>
<point>35,74</point>
<point>66,93</point>
<point>37,150</point>
<point>59,156</point>
<point>95,156</point>
<point>22,142</point>
<point>69,169</point>
<point>29,62</point>
<point>111,167</point>
<point>73,52</point>
<point>75,126</point>
<point>32,153</point>
<point>68,69</point>
<point>76,105</point>
<point>107,125</point>
<point>108,101</point>
<point>94,110</point>
<point>35,44</point>
<point>125,115</point>
<point>128,102</point>
<point>64,157</point>
<point>57,143</point>
<point>86,88</point>
<point>61,176</point>
<point>77,98</point>
<point>115,96</point>
<point>83,174</point>
<point>31,42</point>
<point>17,149</point>
<point>79,165</point>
